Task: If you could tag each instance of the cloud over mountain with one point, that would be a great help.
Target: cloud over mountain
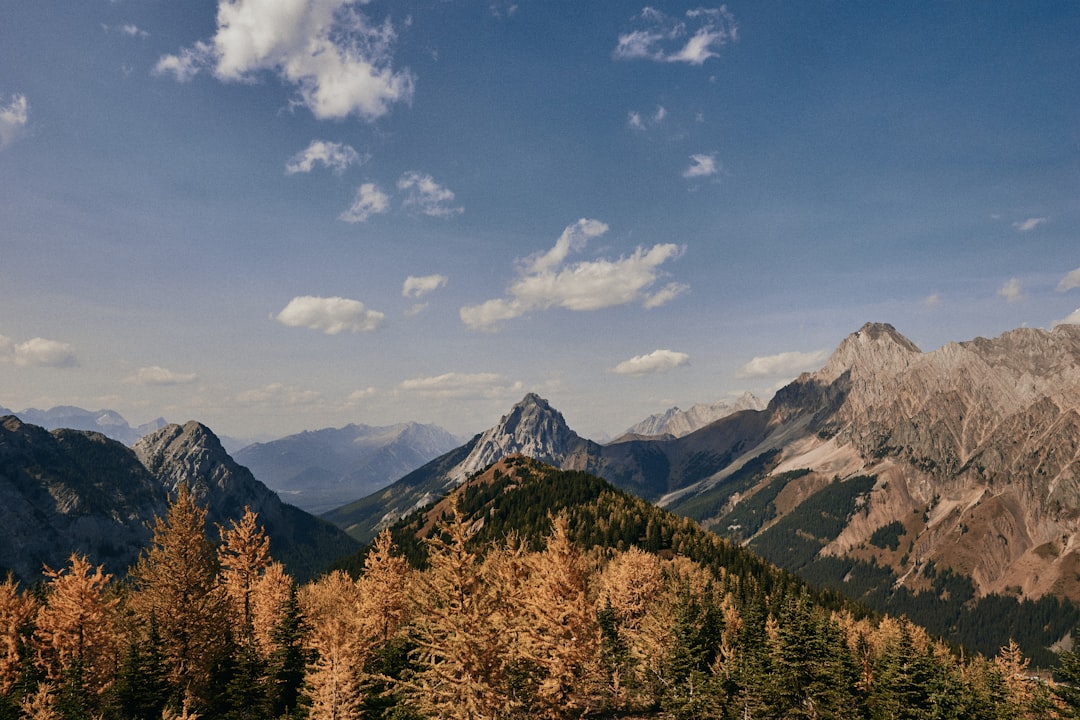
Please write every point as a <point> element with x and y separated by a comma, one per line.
<point>657,361</point>
<point>38,352</point>
<point>338,59</point>
<point>454,384</point>
<point>1070,281</point>
<point>783,364</point>
<point>547,280</point>
<point>155,375</point>
<point>331,315</point>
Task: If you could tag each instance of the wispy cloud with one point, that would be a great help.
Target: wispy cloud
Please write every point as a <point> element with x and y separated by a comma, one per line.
<point>38,352</point>
<point>14,117</point>
<point>335,156</point>
<point>547,280</point>
<point>1012,290</point>
<point>657,361</point>
<point>330,315</point>
<point>417,287</point>
<point>692,39</point>
<point>783,364</point>
<point>277,395</point>
<point>455,385</point>
<point>339,60</point>
<point>1029,224</point>
<point>637,121</point>
<point>931,300</point>
<point>429,197</point>
<point>155,375</point>
<point>701,166</point>
<point>1072,319</point>
<point>1070,281</point>
<point>370,200</point>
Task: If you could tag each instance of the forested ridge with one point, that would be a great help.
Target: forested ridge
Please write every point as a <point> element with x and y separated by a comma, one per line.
<point>532,593</point>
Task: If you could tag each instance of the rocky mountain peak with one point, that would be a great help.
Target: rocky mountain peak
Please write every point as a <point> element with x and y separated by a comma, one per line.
<point>532,428</point>
<point>875,349</point>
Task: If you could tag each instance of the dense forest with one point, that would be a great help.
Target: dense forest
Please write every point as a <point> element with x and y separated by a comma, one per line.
<point>586,605</point>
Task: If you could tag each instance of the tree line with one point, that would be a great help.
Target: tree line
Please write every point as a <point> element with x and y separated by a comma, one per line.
<point>505,628</point>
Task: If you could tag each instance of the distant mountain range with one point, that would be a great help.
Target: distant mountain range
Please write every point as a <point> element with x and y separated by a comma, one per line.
<point>677,423</point>
<point>107,422</point>
<point>70,491</point>
<point>322,469</point>
<point>971,455</point>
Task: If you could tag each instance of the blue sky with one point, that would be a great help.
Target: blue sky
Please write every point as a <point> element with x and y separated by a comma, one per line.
<point>276,215</point>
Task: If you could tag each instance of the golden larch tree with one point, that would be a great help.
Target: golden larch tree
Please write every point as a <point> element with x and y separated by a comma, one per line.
<point>175,586</point>
<point>73,631</point>
<point>17,612</point>
<point>560,633</point>
<point>331,607</point>
<point>244,555</point>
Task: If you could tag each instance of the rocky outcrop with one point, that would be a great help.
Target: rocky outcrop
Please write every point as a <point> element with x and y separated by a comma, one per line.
<point>70,491</point>
<point>534,429</point>
<point>192,455</point>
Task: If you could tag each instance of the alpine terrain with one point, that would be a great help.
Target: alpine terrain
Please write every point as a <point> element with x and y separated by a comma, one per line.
<point>321,469</point>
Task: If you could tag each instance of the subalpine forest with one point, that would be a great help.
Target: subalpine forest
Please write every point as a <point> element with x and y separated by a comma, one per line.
<point>531,593</point>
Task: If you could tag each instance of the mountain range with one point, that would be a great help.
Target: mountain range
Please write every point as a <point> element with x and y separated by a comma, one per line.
<point>322,469</point>
<point>65,491</point>
<point>107,422</point>
<point>968,454</point>
<point>677,423</point>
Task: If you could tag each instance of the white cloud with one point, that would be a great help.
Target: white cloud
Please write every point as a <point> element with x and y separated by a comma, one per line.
<point>362,394</point>
<point>1072,319</point>
<point>38,352</point>
<point>461,385</point>
<point>339,60</point>
<point>187,64</point>
<point>665,295</point>
<point>13,119</point>
<point>782,364</point>
<point>158,376</point>
<point>330,315</point>
<point>370,200</point>
<point>637,121</point>
<point>335,156</point>
<point>692,40</point>
<point>546,280</point>
<point>426,195</point>
<point>278,394</point>
<point>1029,224</point>
<point>1070,281</point>
<point>657,361</point>
<point>417,287</point>
<point>701,166</point>
<point>133,31</point>
<point>931,300</point>
<point>1011,290</point>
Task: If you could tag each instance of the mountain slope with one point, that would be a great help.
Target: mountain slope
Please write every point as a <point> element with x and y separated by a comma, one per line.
<point>322,469</point>
<point>70,491</point>
<point>192,455</point>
